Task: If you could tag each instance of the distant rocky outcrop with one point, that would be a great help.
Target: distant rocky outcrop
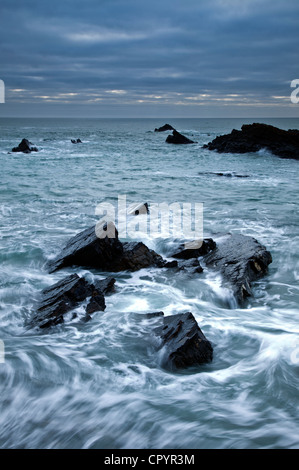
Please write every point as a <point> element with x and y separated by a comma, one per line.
<point>254,137</point>
<point>76,141</point>
<point>183,344</point>
<point>64,296</point>
<point>177,138</point>
<point>25,146</point>
<point>166,127</point>
<point>240,260</point>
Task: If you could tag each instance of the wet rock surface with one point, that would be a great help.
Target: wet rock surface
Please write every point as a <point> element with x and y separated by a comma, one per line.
<point>254,137</point>
<point>109,254</point>
<point>87,249</point>
<point>59,299</point>
<point>183,343</point>
<point>67,294</point>
<point>194,249</point>
<point>240,260</point>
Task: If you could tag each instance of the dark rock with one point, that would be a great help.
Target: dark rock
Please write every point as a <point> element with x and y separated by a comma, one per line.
<point>88,250</point>
<point>76,141</point>
<point>177,138</point>
<point>136,255</point>
<point>183,342</point>
<point>96,304</point>
<point>193,250</point>
<point>171,264</point>
<point>25,146</point>
<point>67,294</point>
<point>106,286</point>
<point>166,127</point>
<point>226,174</point>
<point>108,254</point>
<point>254,137</point>
<point>240,260</point>
<point>59,299</point>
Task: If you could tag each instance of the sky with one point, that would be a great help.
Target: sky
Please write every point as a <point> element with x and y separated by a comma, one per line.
<point>136,58</point>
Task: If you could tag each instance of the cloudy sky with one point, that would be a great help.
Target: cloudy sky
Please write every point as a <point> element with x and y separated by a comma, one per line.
<point>134,58</point>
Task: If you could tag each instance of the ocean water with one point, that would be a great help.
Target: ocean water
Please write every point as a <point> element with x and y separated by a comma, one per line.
<point>100,384</point>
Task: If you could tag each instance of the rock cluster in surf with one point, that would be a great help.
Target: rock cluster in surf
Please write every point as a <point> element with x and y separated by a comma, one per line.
<point>240,260</point>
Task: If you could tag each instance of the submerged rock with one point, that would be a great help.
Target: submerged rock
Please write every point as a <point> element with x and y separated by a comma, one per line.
<point>183,343</point>
<point>25,146</point>
<point>76,141</point>
<point>166,127</point>
<point>227,174</point>
<point>67,294</point>
<point>254,137</point>
<point>177,138</point>
<point>240,260</point>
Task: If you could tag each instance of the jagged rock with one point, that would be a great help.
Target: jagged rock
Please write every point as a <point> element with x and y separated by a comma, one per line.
<point>76,141</point>
<point>67,294</point>
<point>96,304</point>
<point>25,146</point>
<point>136,255</point>
<point>254,137</point>
<point>109,254</point>
<point>88,250</point>
<point>59,299</point>
<point>177,138</point>
<point>183,342</point>
<point>106,286</point>
<point>194,249</point>
<point>240,260</point>
<point>166,127</point>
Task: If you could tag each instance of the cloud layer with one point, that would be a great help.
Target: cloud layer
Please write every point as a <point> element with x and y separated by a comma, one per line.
<point>177,55</point>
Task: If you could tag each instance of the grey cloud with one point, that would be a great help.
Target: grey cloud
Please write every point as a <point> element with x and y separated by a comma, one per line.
<point>213,47</point>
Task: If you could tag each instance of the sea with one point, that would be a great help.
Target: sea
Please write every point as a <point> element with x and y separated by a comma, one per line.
<point>100,384</point>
